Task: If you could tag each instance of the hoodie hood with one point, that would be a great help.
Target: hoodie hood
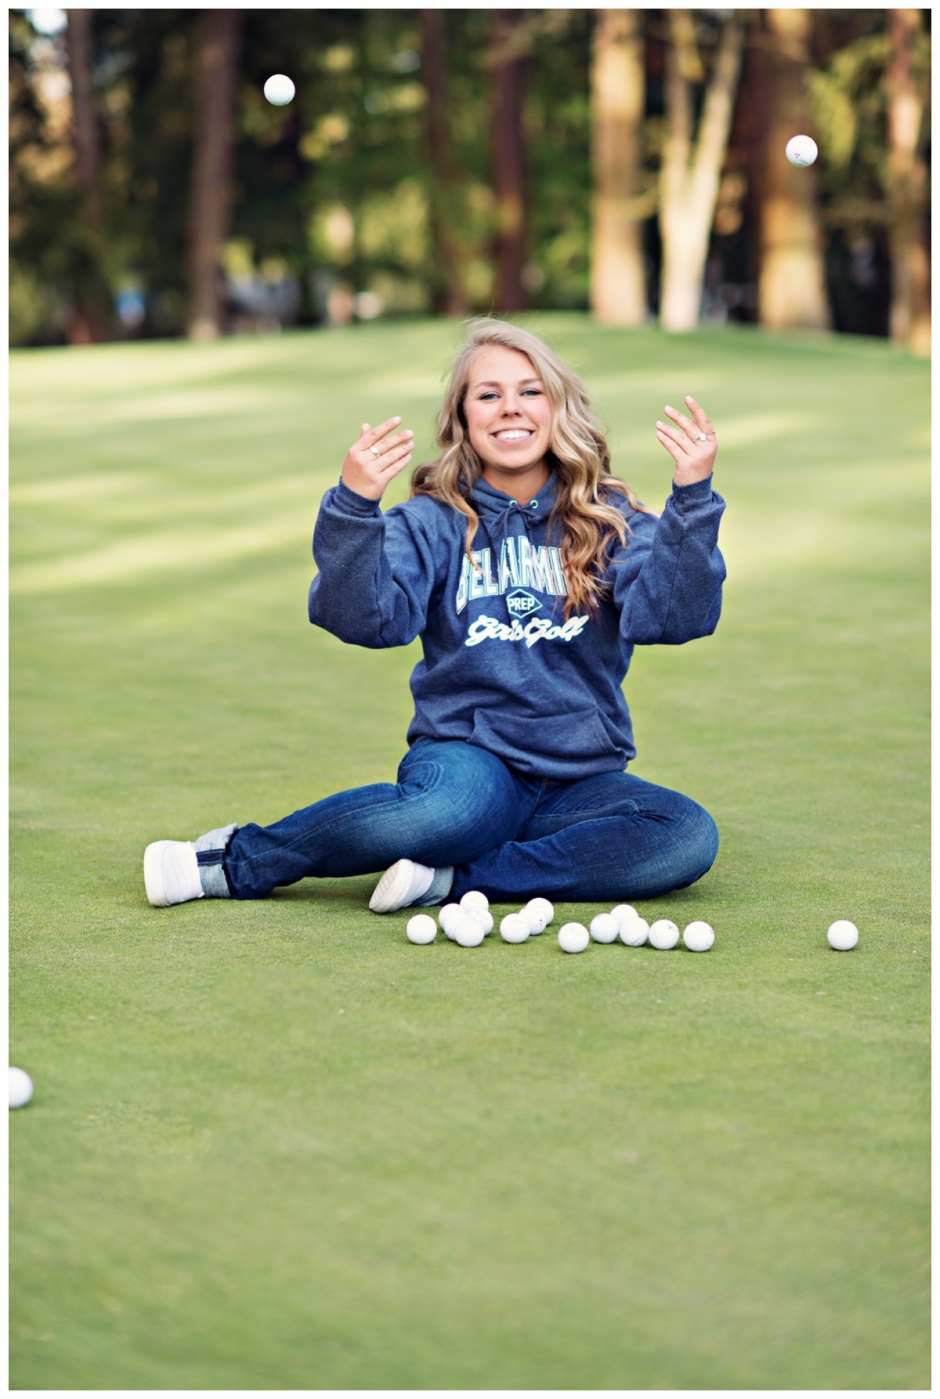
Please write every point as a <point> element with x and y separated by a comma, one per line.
<point>489,501</point>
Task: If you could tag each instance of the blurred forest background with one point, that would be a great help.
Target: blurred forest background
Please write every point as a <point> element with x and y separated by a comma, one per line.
<point>446,161</point>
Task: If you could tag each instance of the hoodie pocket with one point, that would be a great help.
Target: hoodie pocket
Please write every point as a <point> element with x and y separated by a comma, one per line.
<point>550,745</point>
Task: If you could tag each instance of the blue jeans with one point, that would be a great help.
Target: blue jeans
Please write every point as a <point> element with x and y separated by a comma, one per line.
<point>602,839</point>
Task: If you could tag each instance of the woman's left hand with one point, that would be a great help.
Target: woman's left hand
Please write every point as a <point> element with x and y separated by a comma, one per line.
<point>694,448</point>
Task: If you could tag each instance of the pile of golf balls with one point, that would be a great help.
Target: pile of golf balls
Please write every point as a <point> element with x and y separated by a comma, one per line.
<point>470,921</point>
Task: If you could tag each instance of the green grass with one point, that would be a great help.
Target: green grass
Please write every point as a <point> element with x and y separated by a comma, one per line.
<point>273,1145</point>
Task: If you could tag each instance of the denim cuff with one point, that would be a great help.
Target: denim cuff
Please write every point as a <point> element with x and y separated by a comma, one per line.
<point>439,887</point>
<point>210,852</point>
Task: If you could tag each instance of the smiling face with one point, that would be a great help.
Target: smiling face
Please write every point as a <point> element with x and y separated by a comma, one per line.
<point>509,416</point>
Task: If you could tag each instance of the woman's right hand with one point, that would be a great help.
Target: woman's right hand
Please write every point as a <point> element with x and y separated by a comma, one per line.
<point>377,458</point>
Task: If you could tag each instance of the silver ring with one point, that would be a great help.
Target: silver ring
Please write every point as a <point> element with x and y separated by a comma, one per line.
<point>375,451</point>
<point>702,437</point>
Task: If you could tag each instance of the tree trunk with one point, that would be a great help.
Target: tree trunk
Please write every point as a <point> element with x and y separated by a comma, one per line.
<point>907,189</point>
<point>618,98</point>
<point>83,328</point>
<point>87,147</point>
<point>450,298</point>
<point>509,168</point>
<point>792,283</point>
<point>210,198</point>
<point>690,172</point>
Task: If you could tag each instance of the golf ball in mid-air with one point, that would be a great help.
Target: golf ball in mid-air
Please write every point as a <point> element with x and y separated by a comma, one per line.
<point>698,936</point>
<point>604,927</point>
<point>279,90</point>
<point>573,937</point>
<point>634,931</point>
<point>664,934</point>
<point>515,927</point>
<point>421,929</point>
<point>21,1088</point>
<point>469,932</point>
<point>802,150</point>
<point>539,913</point>
<point>842,935</point>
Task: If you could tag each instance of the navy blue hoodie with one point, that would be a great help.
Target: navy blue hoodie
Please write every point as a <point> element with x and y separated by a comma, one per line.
<point>502,667</point>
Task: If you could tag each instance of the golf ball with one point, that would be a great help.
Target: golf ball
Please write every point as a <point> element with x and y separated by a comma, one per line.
<point>515,927</point>
<point>623,911</point>
<point>539,913</point>
<point>634,931</point>
<point>279,90</point>
<point>421,929</point>
<point>469,932</point>
<point>474,899</point>
<point>483,917</point>
<point>842,935</point>
<point>664,934</point>
<point>801,150</point>
<point>698,936</point>
<point>604,928</point>
<point>21,1088</point>
<point>573,937</point>
<point>449,916</point>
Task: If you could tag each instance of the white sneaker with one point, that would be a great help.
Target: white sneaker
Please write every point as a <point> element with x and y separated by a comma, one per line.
<point>400,885</point>
<point>171,873</point>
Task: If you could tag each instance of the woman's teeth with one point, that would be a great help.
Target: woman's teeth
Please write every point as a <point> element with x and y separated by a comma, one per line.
<point>513,435</point>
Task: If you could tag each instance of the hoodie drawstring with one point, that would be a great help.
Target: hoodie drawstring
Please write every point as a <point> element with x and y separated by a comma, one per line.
<point>498,524</point>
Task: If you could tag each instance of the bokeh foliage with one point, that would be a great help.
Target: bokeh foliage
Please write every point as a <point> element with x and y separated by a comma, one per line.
<point>337,186</point>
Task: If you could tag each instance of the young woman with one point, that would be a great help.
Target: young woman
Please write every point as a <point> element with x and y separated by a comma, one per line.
<point>530,574</point>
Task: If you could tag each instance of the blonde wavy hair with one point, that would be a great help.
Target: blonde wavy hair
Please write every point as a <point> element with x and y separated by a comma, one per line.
<point>578,458</point>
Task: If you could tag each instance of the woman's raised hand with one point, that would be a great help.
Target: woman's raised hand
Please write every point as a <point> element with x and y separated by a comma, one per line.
<point>376,458</point>
<point>694,448</point>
